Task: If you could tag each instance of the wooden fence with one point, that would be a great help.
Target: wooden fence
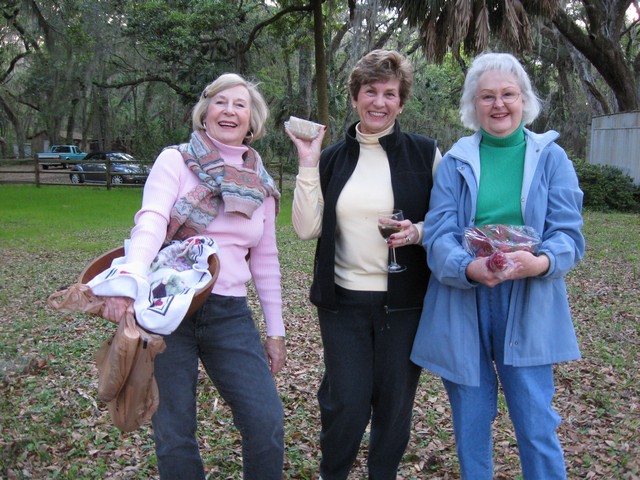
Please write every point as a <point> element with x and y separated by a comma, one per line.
<point>30,171</point>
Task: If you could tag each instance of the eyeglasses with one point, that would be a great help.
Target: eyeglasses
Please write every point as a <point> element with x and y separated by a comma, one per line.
<point>488,99</point>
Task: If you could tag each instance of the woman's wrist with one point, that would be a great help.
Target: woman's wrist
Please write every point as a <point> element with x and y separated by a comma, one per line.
<point>545,264</point>
<point>419,229</point>
<point>309,162</point>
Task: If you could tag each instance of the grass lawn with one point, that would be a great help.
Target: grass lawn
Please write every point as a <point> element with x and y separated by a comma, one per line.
<point>53,426</point>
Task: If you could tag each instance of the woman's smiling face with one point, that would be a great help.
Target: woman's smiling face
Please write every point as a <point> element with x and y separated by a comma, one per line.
<point>228,115</point>
<point>497,117</point>
<point>378,105</point>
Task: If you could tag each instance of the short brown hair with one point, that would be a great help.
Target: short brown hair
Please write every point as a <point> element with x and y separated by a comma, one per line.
<point>382,65</point>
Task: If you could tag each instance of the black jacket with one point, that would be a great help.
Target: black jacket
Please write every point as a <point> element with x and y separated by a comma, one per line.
<point>410,160</point>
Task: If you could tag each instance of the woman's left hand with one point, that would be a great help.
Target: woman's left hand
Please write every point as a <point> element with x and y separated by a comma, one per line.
<point>522,264</point>
<point>408,235</point>
<point>308,150</point>
<point>529,265</point>
<point>276,353</point>
<point>115,308</point>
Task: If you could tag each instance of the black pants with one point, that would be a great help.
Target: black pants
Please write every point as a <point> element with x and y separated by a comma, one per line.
<point>368,377</point>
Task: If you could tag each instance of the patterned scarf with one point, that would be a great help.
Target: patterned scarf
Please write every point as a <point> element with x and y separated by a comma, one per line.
<point>242,189</point>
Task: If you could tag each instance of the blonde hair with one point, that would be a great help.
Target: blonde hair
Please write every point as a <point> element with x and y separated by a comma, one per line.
<point>259,108</point>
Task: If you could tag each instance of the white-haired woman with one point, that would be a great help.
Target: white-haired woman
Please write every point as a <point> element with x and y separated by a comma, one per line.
<point>216,185</point>
<point>477,325</point>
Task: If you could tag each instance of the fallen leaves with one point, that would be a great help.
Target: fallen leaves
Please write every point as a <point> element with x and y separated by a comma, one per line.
<point>53,426</point>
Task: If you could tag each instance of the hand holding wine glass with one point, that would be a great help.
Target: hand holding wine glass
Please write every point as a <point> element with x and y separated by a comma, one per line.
<point>388,224</point>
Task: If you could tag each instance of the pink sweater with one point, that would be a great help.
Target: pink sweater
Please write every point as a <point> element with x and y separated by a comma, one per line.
<point>235,235</point>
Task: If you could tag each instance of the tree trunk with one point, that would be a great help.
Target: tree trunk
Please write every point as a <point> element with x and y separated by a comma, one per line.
<point>15,121</point>
<point>71,120</point>
<point>305,81</point>
<point>605,54</point>
<point>321,67</point>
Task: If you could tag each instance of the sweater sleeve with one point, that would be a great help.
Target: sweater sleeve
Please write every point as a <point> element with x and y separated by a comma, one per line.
<point>161,191</point>
<point>265,270</point>
<point>308,204</point>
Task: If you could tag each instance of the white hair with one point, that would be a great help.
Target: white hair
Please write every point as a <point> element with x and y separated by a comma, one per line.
<point>503,62</point>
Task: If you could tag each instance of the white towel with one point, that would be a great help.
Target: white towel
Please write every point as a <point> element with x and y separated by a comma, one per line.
<point>162,298</point>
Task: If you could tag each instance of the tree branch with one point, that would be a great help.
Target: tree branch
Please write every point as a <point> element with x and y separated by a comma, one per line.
<point>14,62</point>
<point>604,55</point>
<point>256,30</point>
<point>145,79</point>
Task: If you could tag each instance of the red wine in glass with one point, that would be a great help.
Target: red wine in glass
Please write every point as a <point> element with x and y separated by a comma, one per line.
<point>388,224</point>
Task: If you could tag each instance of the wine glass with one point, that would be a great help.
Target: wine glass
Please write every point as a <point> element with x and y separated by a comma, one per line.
<point>388,224</point>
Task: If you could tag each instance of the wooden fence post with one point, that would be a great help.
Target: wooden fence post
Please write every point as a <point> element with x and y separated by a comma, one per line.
<point>36,170</point>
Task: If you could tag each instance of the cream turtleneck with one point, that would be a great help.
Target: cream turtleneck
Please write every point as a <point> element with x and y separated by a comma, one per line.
<point>361,252</point>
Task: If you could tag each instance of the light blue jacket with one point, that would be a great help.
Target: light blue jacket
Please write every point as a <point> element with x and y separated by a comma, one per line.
<point>539,327</point>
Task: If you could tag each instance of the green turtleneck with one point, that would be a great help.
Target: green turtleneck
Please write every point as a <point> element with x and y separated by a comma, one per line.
<point>501,171</point>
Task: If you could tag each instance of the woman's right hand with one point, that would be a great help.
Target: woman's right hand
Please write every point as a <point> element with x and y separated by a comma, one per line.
<point>308,150</point>
<point>115,308</point>
<point>478,271</point>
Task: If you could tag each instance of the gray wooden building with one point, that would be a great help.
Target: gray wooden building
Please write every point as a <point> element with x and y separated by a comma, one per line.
<point>615,140</point>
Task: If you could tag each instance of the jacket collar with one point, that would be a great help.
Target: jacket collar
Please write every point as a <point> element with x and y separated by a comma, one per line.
<point>467,149</point>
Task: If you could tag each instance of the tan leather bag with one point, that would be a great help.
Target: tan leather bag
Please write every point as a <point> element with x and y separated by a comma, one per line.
<point>127,382</point>
<point>125,361</point>
<point>115,359</point>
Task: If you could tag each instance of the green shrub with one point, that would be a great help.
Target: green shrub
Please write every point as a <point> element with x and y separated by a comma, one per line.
<point>607,188</point>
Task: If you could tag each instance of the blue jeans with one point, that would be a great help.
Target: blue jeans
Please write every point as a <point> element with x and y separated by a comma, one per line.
<point>368,377</point>
<point>528,392</point>
<point>222,334</point>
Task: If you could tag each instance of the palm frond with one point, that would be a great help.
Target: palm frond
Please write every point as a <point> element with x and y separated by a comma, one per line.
<point>482,30</point>
<point>461,19</point>
<point>469,24</point>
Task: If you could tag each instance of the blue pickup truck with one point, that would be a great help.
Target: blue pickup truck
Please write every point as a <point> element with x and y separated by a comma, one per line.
<point>60,156</point>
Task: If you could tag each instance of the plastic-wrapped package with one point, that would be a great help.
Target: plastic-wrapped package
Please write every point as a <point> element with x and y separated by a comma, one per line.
<point>303,129</point>
<point>493,241</point>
